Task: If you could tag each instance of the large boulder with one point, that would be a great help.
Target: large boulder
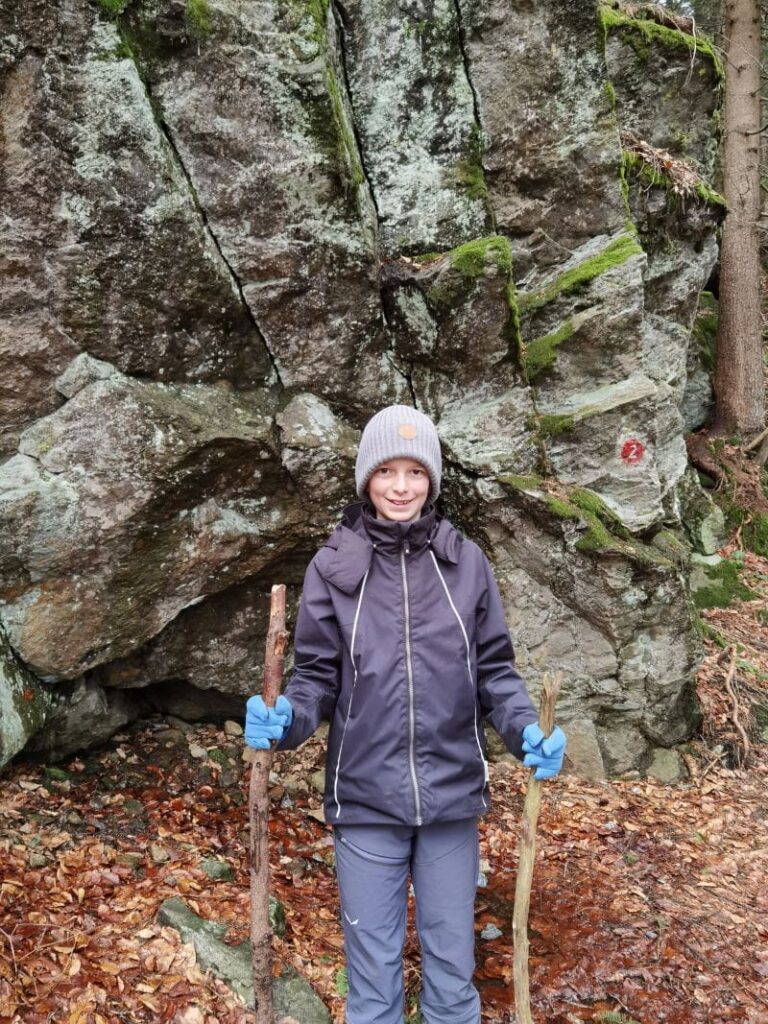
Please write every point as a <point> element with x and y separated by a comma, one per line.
<point>236,230</point>
<point>126,505</point>
<point>24,703</point>
<point>254,102</point>
<point>105,248</point>
<point>585,598</point>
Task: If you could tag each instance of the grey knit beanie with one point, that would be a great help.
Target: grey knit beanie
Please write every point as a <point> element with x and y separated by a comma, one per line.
<point>399,432</point>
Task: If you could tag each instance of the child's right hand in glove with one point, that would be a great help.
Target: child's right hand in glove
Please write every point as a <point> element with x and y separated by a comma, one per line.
<point>544,753</point>
<point>263,724</point>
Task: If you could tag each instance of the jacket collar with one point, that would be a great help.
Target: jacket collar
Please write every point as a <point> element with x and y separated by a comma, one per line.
<point>348,552</point>
<point>389,537</point>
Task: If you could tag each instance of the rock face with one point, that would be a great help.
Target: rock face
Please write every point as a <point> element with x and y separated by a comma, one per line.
<point>235,230</point>
<point>292,996</point>
<point>24,703</point>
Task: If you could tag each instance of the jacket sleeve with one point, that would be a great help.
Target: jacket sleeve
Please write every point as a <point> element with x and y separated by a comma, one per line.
<point>503,696</point>
<point>313,688</point>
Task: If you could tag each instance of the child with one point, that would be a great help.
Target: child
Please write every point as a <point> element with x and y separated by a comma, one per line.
<point>401,643</point>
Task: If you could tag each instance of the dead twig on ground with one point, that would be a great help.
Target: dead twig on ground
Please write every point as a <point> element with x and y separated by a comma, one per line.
<point>729,677</point>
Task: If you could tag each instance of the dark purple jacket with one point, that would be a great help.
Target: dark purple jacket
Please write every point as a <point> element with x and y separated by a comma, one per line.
<point>418,607</point>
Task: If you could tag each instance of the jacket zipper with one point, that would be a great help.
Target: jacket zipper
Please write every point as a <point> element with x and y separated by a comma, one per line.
<point>455,611</point>
<point>406,550</point>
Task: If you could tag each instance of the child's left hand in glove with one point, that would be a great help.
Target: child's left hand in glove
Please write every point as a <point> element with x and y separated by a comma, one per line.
<point>264,724</point>
<point>544,753</point>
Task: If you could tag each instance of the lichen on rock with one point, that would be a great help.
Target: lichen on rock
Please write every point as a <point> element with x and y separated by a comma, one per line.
<point>237,230</point>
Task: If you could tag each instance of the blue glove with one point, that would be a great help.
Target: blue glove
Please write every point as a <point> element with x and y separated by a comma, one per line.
<point>544,753</point>
<point>263,724</point>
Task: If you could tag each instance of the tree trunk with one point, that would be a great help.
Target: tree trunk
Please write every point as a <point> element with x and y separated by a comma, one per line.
<point>738,381</point>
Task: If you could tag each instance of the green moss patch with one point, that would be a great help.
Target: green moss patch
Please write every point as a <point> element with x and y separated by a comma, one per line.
<point>642,33</point>
<point>590,502</point>
<point>318,12</point>
<point>705,330</point>
<point>726,587</point>
<point>469,170</point>
<point>330,128</point>
<point>113,7</point>
<point>471,259</point>
<point>553,425</point>
<point>755,535</point>
<point>199,18</point>
<point>540,354</point>
<point>597,537</point>
<point>672,547</point>
<point>347,154</point>
<point>649,175</point>
<point>604,533</point>
<point>521,483</point>
<point>615,254</point>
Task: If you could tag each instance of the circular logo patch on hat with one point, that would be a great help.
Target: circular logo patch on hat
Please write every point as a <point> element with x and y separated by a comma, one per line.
<point>407,430</point>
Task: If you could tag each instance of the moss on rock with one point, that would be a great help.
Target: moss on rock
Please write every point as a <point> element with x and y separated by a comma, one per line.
<point>521,483</point>
<point>199,18</point>
<point>651,176</point>
<point>590,502</point>
<point>617,252</point>
<point>755,535</point>
<point>24,703</point>
<point>725,587</point>
<point>470,261</point>
<point>705,330</point>
<point>553,425</point>
<point>473,257</point>
<point>603,532</point>
<point>347,154</point>
<point>113,7</point>
<point>541,353</point>
<point>642,33</point>
<point>672,546</point>
<point>469,170</point>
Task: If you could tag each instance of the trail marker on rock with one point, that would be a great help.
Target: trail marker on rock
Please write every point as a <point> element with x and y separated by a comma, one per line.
<point>632,451</point>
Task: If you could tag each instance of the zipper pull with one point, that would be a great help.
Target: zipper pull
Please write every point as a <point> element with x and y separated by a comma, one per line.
<point>407,547</point>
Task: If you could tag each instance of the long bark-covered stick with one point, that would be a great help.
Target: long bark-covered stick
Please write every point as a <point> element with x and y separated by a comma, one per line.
<point>526,858</point>
<point>258,806</point>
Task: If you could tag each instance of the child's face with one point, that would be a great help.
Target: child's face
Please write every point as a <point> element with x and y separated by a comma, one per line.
<point>398,489</point>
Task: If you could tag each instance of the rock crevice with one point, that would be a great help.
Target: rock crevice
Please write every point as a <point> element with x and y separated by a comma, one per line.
<point>237,230</point>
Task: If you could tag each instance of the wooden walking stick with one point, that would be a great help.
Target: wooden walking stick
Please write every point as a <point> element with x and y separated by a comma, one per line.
<point>526,858</point>
<point>258,807</point>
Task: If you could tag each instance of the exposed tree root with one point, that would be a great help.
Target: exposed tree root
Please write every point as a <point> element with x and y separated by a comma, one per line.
<point>732,469</point>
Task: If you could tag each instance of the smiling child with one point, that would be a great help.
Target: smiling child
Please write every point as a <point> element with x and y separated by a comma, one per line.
<point>401,643</point>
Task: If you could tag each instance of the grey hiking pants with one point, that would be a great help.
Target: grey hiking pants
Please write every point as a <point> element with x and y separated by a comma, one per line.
<point>373,863</point>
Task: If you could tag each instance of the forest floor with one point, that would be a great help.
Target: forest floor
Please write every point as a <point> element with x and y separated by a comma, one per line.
<point>650,901</point>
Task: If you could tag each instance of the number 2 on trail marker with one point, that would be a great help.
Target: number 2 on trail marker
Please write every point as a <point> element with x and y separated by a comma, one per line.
<point>632,451</point>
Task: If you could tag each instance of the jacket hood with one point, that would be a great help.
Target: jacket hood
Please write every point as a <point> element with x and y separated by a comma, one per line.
<point>346,556</point>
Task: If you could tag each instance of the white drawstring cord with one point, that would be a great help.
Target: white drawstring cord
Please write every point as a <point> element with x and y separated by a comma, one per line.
<point>352,694</point>
<point>469,663</point>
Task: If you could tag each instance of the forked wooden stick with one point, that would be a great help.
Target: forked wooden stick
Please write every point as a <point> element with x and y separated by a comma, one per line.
<point>526,858</point>
<point>258,807</point>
